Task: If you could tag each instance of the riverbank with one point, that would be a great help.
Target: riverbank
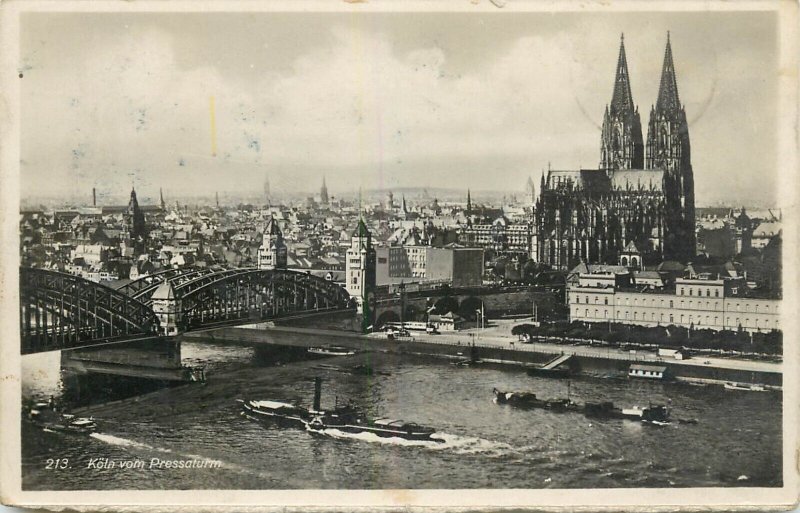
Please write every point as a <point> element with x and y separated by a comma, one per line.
<point>604,362</point>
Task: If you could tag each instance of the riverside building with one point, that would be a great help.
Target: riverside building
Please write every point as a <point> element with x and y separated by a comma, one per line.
<point>702,302</point>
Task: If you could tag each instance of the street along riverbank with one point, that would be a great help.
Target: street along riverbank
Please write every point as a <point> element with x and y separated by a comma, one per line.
<point>594,361</point>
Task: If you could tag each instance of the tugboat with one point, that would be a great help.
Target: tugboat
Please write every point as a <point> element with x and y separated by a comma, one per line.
<point>45,416</point>
<point>290,415</point>
<point>347,419</point>
<point>330,350</point>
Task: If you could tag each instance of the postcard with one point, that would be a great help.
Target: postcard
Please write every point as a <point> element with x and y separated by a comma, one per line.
<point>399,255</point>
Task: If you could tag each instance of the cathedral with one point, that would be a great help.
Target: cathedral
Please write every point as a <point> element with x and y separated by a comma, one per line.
<point>640,200</point>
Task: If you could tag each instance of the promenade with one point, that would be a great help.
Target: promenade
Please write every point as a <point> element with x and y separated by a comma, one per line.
<point>497,336</point>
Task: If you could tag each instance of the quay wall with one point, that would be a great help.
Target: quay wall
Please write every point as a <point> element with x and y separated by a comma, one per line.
<point>602,366</point>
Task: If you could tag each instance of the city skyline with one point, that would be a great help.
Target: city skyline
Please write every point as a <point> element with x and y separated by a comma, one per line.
<point>421,103</point>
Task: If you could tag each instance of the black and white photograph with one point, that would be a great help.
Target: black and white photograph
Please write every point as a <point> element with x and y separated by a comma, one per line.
<point>465,253</point>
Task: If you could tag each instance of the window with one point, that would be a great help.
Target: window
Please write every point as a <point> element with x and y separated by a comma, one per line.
<point>671,319</point>
<point>670,303</point>
<point>605,301</point>
<point>716,293</point>
<point>690,291</point>
<point>708,292</point>
<point>681,291</point>
<point>577,299</point>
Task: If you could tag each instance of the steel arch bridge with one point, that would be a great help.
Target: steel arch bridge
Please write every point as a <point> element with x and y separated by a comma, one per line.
<point>211,297</point>
<point>61,311</point>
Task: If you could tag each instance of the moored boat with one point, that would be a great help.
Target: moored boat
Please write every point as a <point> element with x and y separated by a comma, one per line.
<point>730,385</point>
<point>331,350</point>
<point>557,373</point>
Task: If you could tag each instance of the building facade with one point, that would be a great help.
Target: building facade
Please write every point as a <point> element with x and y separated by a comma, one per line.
<point>640,194</point>
<point>501,236</point>
<point>360,266</point>
<point>454,266</point>
<point>272,254</point>
<point>703,303</point>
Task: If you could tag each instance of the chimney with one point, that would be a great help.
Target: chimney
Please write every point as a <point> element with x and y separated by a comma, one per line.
<point>317,393</point>
<point>94,197</point>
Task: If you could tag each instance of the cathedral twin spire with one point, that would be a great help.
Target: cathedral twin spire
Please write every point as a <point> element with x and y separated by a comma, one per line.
<point>622,144</point>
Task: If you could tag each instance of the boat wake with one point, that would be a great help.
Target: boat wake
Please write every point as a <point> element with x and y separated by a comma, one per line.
<point>132,444</point>
<point>443,442</point>
<point>124,442</point>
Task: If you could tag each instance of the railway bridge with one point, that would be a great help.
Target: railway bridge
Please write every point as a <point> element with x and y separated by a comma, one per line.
<point>61,311</point>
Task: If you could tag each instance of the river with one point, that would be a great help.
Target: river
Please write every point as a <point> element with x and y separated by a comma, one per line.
<point>736,441</point>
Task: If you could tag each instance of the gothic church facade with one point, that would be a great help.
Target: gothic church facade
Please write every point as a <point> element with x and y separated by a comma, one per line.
<point>642,194</point>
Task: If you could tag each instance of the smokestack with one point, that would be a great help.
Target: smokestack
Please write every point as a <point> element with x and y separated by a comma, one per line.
<point>94,197</point>
<point>317,393</point>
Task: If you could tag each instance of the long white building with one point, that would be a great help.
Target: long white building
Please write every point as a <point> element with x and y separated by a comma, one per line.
<point>704,302</point>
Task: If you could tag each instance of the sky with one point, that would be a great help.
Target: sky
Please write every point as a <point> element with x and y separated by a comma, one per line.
<point>378,100</point>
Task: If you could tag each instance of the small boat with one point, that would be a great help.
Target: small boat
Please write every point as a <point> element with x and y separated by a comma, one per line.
<point>330,350</point>
<point>557,373</point>
<point>730,385</point>
<point>384,428</point>
<point>466,362</point>
<point>46,417</point>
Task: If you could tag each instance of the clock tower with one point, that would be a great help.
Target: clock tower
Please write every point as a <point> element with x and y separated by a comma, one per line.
<point>668,149</point>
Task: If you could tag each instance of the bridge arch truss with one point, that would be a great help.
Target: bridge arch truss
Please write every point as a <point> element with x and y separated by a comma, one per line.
<point>61,311</point>
<point>236,296</point>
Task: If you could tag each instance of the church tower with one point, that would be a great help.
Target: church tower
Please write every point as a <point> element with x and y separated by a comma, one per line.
<point>134,218</point>
<point>621,140</point>
<point>668,149</point>
<point>323,192</point>
<point>272,254</point>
